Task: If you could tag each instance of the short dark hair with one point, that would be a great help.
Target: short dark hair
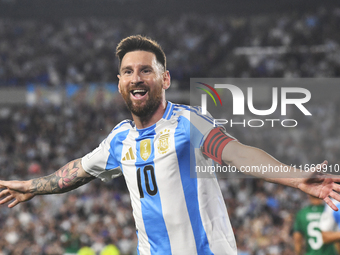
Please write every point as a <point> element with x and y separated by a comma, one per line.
<point>138,42</point>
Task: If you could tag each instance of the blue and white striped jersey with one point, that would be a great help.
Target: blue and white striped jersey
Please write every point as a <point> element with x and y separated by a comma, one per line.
<point>174,212</point>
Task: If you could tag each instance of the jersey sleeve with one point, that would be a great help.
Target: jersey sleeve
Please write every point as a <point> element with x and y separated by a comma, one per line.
<point>327,221</point>
<point>100,163</point>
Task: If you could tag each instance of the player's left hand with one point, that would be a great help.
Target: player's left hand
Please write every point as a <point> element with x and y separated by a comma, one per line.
<point>322,185</point>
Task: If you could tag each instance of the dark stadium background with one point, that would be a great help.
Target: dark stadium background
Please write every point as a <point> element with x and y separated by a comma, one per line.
<point>151,9</point>
<point>43,124</point>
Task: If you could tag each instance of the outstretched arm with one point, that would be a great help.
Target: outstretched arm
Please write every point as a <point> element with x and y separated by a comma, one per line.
<point>67,178</point>
<point>315,184</point>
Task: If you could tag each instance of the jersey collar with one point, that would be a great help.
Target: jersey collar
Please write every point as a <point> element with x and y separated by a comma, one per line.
<point>168,111</point>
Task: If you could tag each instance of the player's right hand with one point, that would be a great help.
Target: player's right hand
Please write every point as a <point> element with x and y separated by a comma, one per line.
<point>14,192</point>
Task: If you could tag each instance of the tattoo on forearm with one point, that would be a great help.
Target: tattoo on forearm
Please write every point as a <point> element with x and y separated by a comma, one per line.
<point>63,180</point>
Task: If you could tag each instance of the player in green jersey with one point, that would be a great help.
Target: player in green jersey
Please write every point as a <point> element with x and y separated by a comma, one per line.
<point>306,230</point>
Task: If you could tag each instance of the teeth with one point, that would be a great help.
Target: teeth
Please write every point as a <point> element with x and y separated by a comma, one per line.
<point>139,91</point>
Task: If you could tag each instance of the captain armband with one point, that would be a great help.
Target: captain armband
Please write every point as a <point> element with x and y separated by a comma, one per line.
<point>215,143</point>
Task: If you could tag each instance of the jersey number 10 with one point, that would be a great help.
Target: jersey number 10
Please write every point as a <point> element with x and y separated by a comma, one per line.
<point>149,173</point>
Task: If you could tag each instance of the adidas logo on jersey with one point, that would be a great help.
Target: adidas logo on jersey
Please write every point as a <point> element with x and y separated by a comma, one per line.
<point>129,155</point>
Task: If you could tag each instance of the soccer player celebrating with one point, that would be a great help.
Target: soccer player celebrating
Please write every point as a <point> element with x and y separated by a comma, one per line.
<point>174,213</point>
<point>306,230</point>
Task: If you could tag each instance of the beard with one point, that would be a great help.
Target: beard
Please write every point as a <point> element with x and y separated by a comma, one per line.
<point>145,108</point>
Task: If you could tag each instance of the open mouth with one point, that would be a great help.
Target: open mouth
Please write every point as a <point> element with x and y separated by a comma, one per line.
<point>138,93</point>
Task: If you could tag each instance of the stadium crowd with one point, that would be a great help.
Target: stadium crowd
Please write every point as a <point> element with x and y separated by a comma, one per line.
<point>38,140</point>
<point>82,50</point>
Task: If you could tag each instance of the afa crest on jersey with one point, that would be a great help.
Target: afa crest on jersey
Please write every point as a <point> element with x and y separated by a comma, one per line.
<point>145,149</point>
<point>163,142</point>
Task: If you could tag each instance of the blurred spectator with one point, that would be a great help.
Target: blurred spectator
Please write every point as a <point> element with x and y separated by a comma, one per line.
<point>307,235</point>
